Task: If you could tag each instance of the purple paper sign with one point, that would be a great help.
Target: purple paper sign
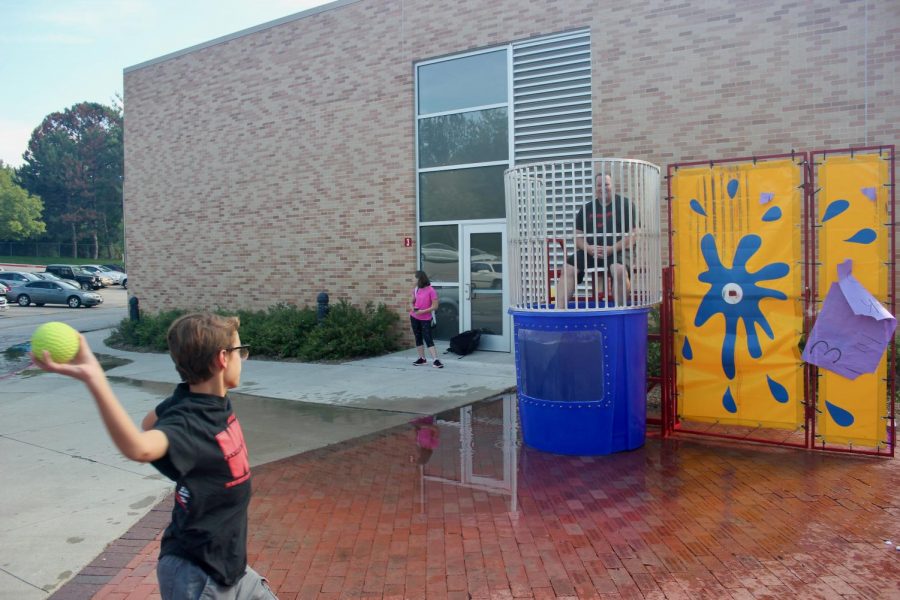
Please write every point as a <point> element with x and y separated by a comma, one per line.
<point>766,197</point>
<point>852,331</point>
<point>869,193</point>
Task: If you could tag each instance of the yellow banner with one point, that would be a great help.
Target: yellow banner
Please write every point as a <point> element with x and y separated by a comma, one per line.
<point>738,293</point>
<point>852,212</point>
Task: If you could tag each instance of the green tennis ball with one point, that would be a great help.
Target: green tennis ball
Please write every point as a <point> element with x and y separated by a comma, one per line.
<point>59,339</point>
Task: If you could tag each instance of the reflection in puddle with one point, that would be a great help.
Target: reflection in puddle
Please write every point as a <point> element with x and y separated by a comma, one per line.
<point>477,431</point>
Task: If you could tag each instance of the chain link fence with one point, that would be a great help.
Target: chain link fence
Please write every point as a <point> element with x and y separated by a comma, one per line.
<point>58,250</point>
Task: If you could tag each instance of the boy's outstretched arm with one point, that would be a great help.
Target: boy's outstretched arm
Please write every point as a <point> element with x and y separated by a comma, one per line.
<point>141,446</point>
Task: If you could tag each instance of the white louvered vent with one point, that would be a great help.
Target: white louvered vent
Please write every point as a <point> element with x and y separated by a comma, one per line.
<point>552,122</point>
<point>552,98</point>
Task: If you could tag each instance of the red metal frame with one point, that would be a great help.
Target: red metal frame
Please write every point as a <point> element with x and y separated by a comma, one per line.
<point>813,371</point>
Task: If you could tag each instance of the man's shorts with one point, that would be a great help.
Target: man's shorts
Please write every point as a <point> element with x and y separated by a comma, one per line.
<point>587,261</point>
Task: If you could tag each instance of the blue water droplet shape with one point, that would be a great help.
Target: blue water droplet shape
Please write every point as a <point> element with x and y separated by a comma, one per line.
<point>840,416</point>
<point>863,236</point>
<point>778,391</point>
<point>728,401</point>
<point>686,350</point>
<point>834,209</point>
<point>695,206</point>
<point>773,214</point>
<point>732,188</point>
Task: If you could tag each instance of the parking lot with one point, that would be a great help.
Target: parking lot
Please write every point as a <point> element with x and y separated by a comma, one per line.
<point>18,322</point>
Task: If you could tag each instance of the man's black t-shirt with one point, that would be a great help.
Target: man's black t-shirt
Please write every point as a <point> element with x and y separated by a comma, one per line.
<point>208,461</point>
<point>604,227</point>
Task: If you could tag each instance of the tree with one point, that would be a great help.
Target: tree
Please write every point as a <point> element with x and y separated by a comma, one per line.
<point>20,212</point>
<point>74,162</point>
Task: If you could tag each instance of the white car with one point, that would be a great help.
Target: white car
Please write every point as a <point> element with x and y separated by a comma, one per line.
<point>107,277</point>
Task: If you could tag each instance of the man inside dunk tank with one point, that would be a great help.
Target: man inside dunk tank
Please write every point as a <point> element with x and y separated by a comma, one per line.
<point>601,245</point>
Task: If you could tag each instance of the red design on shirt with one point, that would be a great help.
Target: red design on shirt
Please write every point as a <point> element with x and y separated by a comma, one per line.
<point>231,441</point>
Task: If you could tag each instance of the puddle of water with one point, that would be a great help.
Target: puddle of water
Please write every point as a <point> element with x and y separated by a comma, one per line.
<point>16,360</point>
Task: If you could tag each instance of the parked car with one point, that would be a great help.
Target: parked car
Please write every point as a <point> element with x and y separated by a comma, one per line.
<point>105,279</point>
<point>113,267</point>
<point>53,292</point>
<point>4,287</point>
<point>49,276</point>
<point>4,305</point>
<point>118,277</point>
<point>87,281</point>
<point>17,277</point>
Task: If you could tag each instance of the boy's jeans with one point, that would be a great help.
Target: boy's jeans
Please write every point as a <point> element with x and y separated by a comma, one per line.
<point>180,579</point>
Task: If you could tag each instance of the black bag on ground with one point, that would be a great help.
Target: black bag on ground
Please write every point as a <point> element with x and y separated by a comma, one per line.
<point>465,342</point>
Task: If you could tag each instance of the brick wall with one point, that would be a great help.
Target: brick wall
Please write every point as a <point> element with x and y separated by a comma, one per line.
<point>272,166</point>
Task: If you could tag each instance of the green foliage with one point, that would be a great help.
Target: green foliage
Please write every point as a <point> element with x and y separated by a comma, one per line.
<point>20,212</point>
<point>284,331</point>
<point>277,332</point>
<point>149,333</point>
<point>654,347</point>
<point>348,331</point>
<point>49,260</point>
<point>74,163</point>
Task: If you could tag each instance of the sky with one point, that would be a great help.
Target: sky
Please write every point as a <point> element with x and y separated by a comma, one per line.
<point>57,53</point>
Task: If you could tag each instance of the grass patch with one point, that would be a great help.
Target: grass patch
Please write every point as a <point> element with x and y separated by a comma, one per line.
<point>55,260</point>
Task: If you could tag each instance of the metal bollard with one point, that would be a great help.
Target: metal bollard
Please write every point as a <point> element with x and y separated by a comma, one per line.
<point>322,308</point>
<point>134,311</point>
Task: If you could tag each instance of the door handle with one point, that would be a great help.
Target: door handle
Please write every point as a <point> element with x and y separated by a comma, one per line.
<point>468,291</point>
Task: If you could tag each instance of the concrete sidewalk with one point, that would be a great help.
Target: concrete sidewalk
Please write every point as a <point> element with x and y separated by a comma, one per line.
<point>388,382</point>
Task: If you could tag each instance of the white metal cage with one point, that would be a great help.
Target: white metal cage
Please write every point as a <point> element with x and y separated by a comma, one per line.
<point>620,253</point>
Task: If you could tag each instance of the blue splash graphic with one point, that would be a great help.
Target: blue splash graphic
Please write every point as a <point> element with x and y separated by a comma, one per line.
<point>766,197</point>
<point>773,214</point>
<point>863,236</point>
<point>840,416</point>
<point>732,188</point>
<point>695,206</point>
<point>834,209</point>
<point>778,391</point>
<point>743,292</point>
<point>728,401</point>
<point>686,351</point>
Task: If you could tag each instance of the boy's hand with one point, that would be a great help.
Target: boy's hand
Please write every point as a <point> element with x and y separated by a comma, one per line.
<point>83,367</point>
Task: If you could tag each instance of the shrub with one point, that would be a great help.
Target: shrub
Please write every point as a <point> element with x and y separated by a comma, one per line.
<point>654,347</point>
<point>277,332</point>
<point>148,334</point>
<point>348,332</point>
<point>284,331</point>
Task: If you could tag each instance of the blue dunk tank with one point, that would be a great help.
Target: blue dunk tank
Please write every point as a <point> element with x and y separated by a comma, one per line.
<point>585,267</point>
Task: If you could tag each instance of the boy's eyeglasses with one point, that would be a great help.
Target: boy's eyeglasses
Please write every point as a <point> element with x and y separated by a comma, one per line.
<point>244,350</point>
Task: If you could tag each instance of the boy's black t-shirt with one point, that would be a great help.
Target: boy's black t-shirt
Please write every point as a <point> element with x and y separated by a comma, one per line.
<point>614,219</point>
<point>208,461</point>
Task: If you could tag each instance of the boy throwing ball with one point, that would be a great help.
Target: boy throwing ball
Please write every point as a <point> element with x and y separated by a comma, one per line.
<point>195,439</point>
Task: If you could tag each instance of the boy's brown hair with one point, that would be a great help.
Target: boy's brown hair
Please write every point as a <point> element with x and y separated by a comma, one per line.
<point>195,339</point>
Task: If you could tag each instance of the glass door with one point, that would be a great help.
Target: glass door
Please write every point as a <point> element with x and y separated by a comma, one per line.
<point>484,282</point>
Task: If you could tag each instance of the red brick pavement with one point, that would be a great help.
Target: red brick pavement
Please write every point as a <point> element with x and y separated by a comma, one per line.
<point>675,519</point>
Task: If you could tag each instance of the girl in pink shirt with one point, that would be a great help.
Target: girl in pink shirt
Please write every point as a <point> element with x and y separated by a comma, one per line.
<point>424,304</point>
